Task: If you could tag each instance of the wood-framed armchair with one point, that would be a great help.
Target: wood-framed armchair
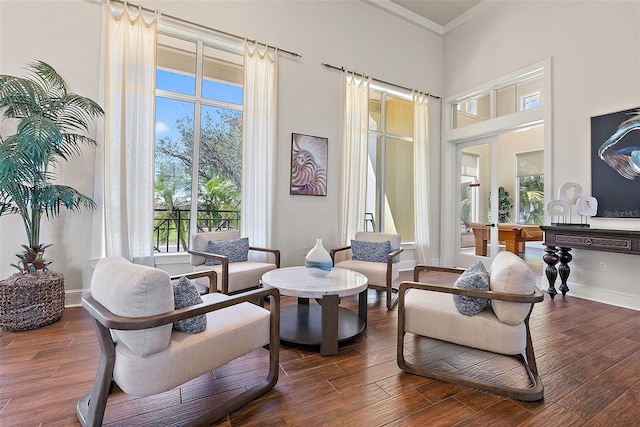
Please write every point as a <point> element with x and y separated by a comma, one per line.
<point>502,327</point>
<point>232,277</point>
<point>380,273</point>
<point>132,308</point>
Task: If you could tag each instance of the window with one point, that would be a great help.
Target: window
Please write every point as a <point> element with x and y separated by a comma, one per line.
<point>390,178</point>
<point>473,110</point>
<point>469,183</point>
<point>530,101</point>
<point>530,184</point>
<point>198,139</point>
<point>521,93</point>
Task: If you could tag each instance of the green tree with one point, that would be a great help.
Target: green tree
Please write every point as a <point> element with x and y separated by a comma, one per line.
<point>505,203</point>
<point>219,194</point>
<point>220,146</point>
<point>531,201</point>
<point>169,186</point>
<point>219,167</point>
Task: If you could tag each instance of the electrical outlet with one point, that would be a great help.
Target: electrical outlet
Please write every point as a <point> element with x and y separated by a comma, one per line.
<point>602,266</point>
<point>305,250</point>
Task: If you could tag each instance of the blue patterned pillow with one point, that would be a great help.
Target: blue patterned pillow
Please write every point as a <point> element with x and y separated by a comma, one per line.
<point>475,277</point>
<point>237,250</point>
<point>370,251</point>
<point>184,295</point>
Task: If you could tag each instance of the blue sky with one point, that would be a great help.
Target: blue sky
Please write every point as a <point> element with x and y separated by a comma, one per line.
<point>168,110</point>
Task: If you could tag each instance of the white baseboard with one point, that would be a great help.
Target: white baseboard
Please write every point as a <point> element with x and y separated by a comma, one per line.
<point>73,298</point>
<point>618,299</point>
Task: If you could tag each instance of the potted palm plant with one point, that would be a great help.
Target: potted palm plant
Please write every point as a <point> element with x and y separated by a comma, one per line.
<point>49,125</point>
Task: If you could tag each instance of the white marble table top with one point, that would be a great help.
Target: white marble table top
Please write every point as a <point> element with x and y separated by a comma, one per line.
<point>296,282</point>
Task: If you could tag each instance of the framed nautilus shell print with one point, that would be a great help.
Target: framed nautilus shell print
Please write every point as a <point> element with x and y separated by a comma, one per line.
<point>308,165</point>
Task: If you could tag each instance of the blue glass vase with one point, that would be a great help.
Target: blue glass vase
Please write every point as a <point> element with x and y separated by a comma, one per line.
<point>318,261</point>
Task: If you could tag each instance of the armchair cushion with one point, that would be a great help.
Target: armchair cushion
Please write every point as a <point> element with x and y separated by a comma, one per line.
<point>370,251</point>
<point>245,274</point>
<point>134,290</point>
<point>509,273</point>
<point>230,333</point>
<point>185,294</point>
<point>433,314</point>
<point>237,250</point>
<point>475,277</point>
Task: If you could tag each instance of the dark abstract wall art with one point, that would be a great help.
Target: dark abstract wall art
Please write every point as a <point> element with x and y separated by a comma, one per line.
<point>615,164</point>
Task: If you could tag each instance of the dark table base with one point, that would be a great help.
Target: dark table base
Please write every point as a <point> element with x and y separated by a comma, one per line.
<point>323,324</point>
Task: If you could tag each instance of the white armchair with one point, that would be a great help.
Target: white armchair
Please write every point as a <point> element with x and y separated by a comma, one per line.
<point>380,272</point>
<point>132,307</point>
<point>502,327</point>
<point>232,276</point>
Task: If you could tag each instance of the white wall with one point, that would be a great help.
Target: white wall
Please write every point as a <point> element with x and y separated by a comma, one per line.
<point>594,47</point>
<point>595,51</point>
<point>347,33</point>
<point>66,35</point>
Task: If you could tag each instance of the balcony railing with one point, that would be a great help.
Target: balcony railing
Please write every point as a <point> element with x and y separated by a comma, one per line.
<point>172,228</point>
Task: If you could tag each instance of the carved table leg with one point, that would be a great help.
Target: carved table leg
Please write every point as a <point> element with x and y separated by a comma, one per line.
<point>564,270</point>
<point>551,259</point>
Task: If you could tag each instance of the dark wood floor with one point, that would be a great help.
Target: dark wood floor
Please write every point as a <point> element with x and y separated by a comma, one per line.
<point>588,355</point>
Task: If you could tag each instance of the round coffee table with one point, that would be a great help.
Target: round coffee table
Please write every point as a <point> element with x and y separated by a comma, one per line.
<point>325,323</point>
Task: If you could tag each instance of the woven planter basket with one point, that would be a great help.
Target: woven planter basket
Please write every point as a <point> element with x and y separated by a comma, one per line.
<point>30,301</point>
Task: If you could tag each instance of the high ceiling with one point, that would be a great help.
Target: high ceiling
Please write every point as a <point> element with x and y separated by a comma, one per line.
<point>441,12</point>
<point>439,16</point>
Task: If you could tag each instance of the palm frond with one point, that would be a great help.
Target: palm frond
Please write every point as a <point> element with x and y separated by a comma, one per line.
<point>55,196</point>
<point>20,97</point>
<point>16,165</point>
<point>38,136</point>
<point>48,78</point>
<point>76,112</point>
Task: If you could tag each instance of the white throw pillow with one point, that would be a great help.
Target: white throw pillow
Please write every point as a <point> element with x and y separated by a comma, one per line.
<point>510,274</point>
<point>134,290</point>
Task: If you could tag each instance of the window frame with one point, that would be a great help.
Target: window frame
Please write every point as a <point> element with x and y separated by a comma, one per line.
<point>203,40</point>
<point>381,134</point>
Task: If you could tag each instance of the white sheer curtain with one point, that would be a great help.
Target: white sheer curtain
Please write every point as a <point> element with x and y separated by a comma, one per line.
<point>259,143</point>
<point>421,176</point>
<point>355,137</point>
<point>130,71</point>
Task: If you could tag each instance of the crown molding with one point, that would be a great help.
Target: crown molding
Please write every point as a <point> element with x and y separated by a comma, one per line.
<point>405,14</point>
<point>422,22</point>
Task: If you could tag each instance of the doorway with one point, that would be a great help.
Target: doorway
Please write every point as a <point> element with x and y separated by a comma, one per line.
<point>501,189</point>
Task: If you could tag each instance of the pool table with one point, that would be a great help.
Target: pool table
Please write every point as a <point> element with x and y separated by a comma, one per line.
<point>513,235</point>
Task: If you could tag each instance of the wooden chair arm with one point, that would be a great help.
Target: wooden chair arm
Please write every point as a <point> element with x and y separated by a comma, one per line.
<point>419,268</point>
<point>275,252</point>
<point>112,321</point>
<point>222,258</point>
<point>333,253</point>
<point>535,297</point>
<point>211,274</point>
<point>393,254</point>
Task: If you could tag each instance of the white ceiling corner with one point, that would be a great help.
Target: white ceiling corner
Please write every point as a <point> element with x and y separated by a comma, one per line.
<point>439,16</point>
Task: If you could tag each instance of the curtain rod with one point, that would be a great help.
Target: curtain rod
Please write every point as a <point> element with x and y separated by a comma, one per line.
<point>377,80</point>
<point>184,21</point>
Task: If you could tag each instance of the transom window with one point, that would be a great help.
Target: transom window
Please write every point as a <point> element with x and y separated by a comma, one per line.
<point>522,94</point>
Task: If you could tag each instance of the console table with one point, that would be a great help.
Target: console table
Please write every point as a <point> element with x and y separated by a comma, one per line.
<point>559,240</point>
